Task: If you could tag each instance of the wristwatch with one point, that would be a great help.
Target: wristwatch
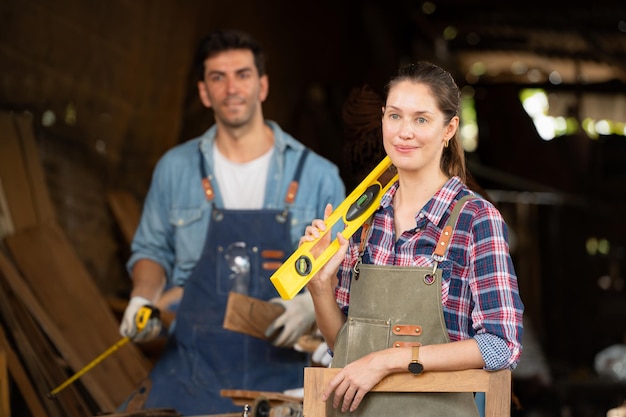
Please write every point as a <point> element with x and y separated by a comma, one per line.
<point>416,367</point>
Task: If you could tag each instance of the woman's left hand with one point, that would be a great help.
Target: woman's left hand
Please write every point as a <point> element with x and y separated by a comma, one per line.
<point>355,380</point>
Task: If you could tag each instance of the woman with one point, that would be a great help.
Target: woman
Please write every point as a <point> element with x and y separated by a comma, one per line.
<point>407,300</point>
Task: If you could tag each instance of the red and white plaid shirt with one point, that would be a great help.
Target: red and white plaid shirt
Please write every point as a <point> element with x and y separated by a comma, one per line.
<point>479,287</point>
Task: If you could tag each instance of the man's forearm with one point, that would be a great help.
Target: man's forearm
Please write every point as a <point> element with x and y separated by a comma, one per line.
<point>148,280</point>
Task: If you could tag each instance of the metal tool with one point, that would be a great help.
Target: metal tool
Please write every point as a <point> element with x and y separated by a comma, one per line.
<point>142,318</point>
<point>300,267</point>
<point>263,408</point>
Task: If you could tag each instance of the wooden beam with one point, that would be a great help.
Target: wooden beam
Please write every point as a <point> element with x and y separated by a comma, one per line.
<point>21,379</point>
<point>42,204</point>
<point>14,175</point>
<point>39,357</point>
<point>495,384</point>
<point>127,212</point>
<point>5,406</point>
<point>6,223</point>
<point>250,315</point>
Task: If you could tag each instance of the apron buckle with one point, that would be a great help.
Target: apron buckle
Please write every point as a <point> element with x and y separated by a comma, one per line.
<point>356,268</point>
<point>282,217</point>
<point>429,278</point>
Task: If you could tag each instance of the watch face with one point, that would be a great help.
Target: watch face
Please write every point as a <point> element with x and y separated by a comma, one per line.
<point>415,368</point>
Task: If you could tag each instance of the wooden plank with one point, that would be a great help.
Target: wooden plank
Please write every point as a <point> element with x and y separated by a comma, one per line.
<point>26,353</point>
<point>250,315</point>
<point>14,175</point>
<point>5,406</point>
<point>39,357</point>
<point>127,212</point>
<point>22,291</point>
<point>21,379</point>
<point>162,412</point>
<point>309,342</point>
<point>87,326</point>
<point>32,162</point>
<point>6,223</point>
<point>495,384</point>
<point>243,397</point>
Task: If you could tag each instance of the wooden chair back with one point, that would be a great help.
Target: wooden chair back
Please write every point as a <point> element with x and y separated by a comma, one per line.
<point>495,384</point>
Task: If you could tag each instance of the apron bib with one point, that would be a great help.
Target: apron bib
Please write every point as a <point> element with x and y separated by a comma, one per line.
<point>392,306</point>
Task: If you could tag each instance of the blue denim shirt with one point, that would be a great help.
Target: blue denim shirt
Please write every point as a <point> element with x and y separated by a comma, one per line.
<point>176,213</point>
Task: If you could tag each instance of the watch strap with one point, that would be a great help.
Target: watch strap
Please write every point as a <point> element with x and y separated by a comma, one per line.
<point>415,352</point>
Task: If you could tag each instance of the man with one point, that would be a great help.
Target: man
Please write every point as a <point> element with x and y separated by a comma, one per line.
<point>221,215</point>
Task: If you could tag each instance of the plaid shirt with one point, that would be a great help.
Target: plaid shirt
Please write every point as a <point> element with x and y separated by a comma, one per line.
<point>479,287</point>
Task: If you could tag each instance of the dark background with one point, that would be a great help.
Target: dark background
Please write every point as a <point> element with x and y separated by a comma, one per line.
<point>116,75</point>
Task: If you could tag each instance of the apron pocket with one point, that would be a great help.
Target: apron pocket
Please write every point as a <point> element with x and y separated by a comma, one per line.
<point>362,336</point>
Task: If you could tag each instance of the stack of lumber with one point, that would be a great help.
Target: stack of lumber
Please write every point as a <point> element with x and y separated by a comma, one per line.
<point>53,318</point>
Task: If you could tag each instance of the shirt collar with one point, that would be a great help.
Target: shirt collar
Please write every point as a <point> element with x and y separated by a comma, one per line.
<point>281,140</point>
<point>436,207</point>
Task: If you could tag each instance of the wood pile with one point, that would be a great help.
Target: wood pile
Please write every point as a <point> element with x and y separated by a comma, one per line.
<point>53,318</point>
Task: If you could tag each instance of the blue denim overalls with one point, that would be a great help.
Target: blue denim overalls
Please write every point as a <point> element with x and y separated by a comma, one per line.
<point>242,249</point>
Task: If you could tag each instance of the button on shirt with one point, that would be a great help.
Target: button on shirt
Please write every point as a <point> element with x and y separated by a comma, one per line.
<point>480,294</point>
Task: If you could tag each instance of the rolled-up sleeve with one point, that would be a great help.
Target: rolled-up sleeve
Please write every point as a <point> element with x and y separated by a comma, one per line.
<point>498,309</point>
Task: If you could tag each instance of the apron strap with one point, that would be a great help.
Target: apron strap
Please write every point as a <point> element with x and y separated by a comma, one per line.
<point>442,244</point>
<point>292,190</point>
<point>206,182</point>
<point>444,238</point>
<point>366,230</point>
<point>446,234</point>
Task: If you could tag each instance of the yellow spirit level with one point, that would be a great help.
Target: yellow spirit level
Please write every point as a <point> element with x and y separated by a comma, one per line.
<point>298,269</point>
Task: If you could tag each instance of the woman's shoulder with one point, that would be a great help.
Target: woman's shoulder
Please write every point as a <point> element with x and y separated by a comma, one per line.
<point>481,218</point>
<point>477,208</point>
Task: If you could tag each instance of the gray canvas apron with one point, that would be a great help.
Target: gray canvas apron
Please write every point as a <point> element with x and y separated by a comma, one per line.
<point>392,306</point>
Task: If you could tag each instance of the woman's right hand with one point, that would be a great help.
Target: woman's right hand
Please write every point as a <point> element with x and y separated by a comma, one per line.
<point>325,277</point>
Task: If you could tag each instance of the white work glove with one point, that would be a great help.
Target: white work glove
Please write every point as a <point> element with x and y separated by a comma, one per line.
<point>298,319</point>
<point>321,355</point>
<point>128,326</point>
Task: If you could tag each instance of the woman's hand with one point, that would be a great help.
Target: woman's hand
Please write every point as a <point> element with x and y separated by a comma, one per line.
<point>325,277</point>
<point>355,380</point>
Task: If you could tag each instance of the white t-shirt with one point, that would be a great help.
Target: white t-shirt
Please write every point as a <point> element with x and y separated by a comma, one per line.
<point>242,185</point>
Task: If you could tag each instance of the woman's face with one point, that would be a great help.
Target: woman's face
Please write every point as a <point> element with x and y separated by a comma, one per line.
<point>414,129</point>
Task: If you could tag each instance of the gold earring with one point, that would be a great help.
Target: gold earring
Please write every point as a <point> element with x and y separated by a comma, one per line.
<point>445,145</point>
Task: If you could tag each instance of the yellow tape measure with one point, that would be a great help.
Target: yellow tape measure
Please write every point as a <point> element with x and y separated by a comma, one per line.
<point>300,267</point>
<point>142,318</point>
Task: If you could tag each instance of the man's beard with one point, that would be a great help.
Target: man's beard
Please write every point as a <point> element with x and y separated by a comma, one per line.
<point>238,119</point>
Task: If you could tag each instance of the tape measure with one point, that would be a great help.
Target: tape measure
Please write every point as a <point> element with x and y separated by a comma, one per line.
<point>300,267</point>
<point>142,318</point>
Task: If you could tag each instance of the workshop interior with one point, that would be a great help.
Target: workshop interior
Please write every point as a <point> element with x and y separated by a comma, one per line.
<point>92,94</point>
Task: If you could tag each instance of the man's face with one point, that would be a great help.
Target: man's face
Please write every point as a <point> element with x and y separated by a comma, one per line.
<point>232,87</point>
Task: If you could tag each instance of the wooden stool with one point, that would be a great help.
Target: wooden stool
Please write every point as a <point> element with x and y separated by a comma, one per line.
<point>495,384</point>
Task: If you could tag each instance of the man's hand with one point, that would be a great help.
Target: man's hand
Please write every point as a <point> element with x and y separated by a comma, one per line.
<point>298,319</point>
<point>128,326</point>
<point>321,355</point>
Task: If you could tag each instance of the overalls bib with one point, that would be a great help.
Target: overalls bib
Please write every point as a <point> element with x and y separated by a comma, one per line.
<point>393,306</point>
<point>242,250</point>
